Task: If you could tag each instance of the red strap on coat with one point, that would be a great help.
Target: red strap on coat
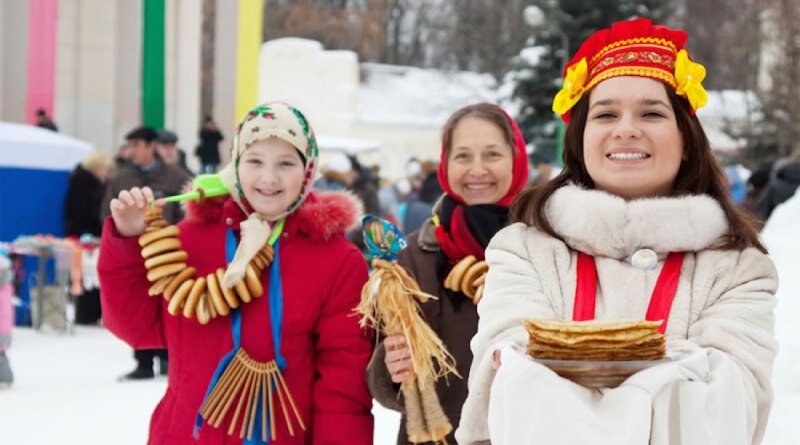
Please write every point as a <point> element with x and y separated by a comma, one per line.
<point>660,301</point>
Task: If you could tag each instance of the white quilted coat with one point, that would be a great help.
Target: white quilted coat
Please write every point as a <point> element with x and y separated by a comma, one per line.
<point>724,300</point>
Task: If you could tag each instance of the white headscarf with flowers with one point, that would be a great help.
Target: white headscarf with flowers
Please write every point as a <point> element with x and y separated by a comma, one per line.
<point>268,120</point>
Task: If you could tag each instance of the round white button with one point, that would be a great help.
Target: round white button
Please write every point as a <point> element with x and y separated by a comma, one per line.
<point>644,259</point>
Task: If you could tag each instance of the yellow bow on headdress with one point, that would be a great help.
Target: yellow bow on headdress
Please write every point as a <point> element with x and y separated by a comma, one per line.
<point>574,87</point>
<point>689,78</point>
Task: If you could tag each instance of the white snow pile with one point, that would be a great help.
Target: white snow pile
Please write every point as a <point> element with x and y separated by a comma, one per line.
<point>402,95</point>
<point>782,237</point>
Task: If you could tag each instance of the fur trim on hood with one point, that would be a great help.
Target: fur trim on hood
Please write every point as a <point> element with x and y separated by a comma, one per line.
<point>322,215</point>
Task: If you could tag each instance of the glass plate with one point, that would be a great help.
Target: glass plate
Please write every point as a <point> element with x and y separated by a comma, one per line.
<point>598,374</point>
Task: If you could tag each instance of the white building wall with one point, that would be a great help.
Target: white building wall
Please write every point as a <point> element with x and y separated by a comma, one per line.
<point>320,83</point>
<point>399,143</point>
<point>324,84</point>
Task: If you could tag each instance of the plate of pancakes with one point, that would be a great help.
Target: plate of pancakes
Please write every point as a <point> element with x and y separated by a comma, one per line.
<point>596,353</point>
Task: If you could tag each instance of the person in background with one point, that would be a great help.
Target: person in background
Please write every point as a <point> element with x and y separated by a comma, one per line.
<point>121,159</point>
<point>337,174</point>
<point>168,150</point>
<point>6,319</point>
<point>365,186</point>
<point>44,121</point>
<point>208,149</point>
<point>783,183</point>
<point>419,204</point>
<point>147,170</point>
<point>85,191</point>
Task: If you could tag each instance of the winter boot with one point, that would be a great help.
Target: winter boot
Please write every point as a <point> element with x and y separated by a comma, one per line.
<point>6,376</point>
<point>138,374</point>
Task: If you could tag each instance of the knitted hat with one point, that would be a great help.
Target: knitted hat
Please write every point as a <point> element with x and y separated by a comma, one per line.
<point>268,120</point>
<point>632,48</point>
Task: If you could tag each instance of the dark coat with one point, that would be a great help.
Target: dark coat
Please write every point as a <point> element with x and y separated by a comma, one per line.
<point>208,150</point>
<point>780,188</point>
<point>165,180</point>
<point>454,319</point>
<point>82,203</point>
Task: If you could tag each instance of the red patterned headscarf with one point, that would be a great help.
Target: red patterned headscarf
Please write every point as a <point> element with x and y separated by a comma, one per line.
<point>519,172</point>
<point>466,230</point>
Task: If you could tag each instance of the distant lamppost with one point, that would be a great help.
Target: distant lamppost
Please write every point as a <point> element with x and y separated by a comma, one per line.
<point>536,19</point>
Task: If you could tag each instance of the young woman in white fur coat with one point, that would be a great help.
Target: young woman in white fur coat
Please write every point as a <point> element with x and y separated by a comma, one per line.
<point>639,185</point>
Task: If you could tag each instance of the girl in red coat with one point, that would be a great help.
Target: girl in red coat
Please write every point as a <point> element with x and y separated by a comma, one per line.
<point>303,325</point>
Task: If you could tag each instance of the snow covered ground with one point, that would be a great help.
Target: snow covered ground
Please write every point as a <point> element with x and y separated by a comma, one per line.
<point>66,390</point>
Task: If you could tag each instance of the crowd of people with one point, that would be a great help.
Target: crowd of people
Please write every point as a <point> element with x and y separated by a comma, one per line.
<point>639,182</point>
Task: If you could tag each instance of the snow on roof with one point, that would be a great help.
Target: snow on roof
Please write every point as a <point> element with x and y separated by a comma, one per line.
<point>401,95</point>
<point>292,42</point>
<point>737,105</point>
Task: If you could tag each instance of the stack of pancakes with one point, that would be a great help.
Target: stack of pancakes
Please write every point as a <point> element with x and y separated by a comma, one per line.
<point>595,340</point>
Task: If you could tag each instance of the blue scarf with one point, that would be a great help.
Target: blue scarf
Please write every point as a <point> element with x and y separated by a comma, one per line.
<point>276,320</point>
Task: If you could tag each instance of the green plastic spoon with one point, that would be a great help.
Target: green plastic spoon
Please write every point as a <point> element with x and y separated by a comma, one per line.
<point>211,185</point>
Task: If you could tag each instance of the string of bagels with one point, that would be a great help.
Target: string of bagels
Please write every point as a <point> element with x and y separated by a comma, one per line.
<point>203,297</point>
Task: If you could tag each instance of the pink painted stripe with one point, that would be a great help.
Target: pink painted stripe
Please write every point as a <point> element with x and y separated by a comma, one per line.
<point>42,17</point>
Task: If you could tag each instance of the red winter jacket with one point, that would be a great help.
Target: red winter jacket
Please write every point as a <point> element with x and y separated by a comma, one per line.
<point>326,351</point>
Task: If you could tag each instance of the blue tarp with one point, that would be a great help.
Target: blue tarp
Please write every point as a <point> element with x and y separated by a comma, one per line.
<point>34,169</point>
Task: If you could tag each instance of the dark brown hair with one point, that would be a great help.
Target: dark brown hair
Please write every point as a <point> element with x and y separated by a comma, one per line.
<point>483,110</point>
<point>698,174</point>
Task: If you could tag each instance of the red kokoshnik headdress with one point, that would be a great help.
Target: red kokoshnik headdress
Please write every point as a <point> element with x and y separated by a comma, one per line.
<point>632,48</point>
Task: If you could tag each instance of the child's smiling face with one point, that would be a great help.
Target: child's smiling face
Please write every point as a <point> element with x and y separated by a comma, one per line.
<point>271,173</point>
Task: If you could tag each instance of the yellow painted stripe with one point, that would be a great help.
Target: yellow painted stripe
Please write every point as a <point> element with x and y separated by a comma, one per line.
<point>248,43</point>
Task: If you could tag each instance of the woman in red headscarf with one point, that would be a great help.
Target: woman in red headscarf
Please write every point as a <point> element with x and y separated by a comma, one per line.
<point>483,167</point>
<point>639,225</point>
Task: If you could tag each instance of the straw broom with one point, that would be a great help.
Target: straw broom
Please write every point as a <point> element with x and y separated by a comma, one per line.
<point>389,304</point>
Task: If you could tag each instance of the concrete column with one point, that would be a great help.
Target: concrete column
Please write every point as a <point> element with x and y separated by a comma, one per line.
<point>86,50</point>
<point>184,26</point>
<point>67,69</point>
<point>127,69</point>
<point>225,72</point>
<point>14,56</point>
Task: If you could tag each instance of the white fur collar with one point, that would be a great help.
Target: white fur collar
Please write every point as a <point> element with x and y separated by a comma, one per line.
<point>599,223</point>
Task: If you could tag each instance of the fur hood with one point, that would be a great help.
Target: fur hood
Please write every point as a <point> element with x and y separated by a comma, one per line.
<point>322,215</point>
<point>599,223</point>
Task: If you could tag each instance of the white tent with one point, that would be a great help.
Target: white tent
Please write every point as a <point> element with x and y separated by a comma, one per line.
<point>26,146</point>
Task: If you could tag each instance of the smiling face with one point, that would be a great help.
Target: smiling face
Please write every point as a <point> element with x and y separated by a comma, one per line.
<point>631,143</point>
<point>271,174</point>
<point>480,161</point>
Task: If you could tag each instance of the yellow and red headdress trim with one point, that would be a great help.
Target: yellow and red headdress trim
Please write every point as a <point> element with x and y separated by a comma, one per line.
<point>632,48</point>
